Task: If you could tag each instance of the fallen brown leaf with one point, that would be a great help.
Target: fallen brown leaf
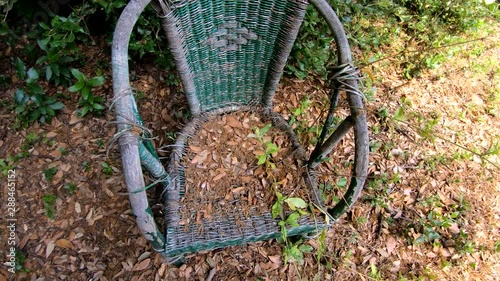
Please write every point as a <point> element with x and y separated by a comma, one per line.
<point>64,243</point>
<point>49,249</point>
<point>142,265</point>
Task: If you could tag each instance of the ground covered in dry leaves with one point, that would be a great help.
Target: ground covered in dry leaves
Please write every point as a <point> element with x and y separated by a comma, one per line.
<point>430,208</point>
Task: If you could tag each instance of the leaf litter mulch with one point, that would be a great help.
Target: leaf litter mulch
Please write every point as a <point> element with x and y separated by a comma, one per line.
<point>223,175</point>
<point>414,184</point>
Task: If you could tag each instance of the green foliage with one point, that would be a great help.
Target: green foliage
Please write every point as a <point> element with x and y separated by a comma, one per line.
<point>373,25</point>
<point>49,202</point>
<point>269,148</point>
<point>293,251</point>
<point>71,187</point>
<point>379,188</point>
<point>31,103</point>
<point>60,48</point>
<point>86,166</point>
<point>5,166</point>
<point>497,246</point>
<point>20,260</point>
<point>311,52</point>
<point>110,7</point>
<point>106,169</point>
<point>88,102</point>
<point>375,273</point>
<point>300,122</point>
<point>433,226</point>
<point>4,81</point>
<point>31,138</point>
<point>50,173</point>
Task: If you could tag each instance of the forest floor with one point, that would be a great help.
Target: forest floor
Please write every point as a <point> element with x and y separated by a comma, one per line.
<point>430,209</point>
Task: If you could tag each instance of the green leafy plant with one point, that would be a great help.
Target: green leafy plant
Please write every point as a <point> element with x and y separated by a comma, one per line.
<point>293,250</point>
<point>269,148</point>
<point>4,81</point>
<point>86,166</point>
<point>379,189</point>
<point>50,173</point>
<point>433,225</point>
<point>5,166</point>
<point>20,260</point>
<point>106,169</point>
<point>59,43</point>
<point>31,138</point>
<point>71,187</point>
<point>88,102</point>
<point>497,246</point>
<point>49,202</point>
<point>31,103</point>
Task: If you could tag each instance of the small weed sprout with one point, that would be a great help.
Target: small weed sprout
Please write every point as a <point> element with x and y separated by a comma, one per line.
<point>71,187</point>
<point>5,166</point>
<point>106,169</point>
<point>50,173</point>
<point>49,202</point>
<point>269,148</point>
<point>86,166</point>
<point>20,260</point>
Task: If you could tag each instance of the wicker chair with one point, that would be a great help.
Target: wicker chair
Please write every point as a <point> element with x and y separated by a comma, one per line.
<point>230,55</point>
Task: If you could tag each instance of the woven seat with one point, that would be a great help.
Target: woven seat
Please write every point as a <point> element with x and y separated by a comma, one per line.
<point>230,55</point>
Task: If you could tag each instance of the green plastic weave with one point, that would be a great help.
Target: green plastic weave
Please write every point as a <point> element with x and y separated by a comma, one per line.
<point>231,52</point>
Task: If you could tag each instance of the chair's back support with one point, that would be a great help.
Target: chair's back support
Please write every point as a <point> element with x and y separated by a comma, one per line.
<point>231,52</point>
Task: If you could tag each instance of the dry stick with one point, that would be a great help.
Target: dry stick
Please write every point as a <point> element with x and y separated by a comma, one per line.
<point>211,274</point>
<point>424,50</point>
<point>480,155</point>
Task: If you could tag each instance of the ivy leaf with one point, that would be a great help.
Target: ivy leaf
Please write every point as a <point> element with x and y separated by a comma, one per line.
<point>272,147</point>
<point>85,93</point>
<point>35,88</point>
<point>42,43</point>
<point>295,202</point>
<point>48,73</point>
<point>305,248</point>
<point>264,130</point>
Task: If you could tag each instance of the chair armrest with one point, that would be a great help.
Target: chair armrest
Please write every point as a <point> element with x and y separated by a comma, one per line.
<point>124,110</point>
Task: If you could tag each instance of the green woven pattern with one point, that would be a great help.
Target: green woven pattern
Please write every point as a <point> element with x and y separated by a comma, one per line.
<point>232,46</point>
<point>223,233</point>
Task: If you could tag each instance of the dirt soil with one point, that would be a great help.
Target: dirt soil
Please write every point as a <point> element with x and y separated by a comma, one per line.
<point>93,235</point>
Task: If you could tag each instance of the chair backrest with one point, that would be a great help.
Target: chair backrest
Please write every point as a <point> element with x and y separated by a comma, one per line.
<point>231,52</point>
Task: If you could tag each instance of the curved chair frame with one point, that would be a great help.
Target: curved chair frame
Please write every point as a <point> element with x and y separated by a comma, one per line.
<point>136,152</point>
